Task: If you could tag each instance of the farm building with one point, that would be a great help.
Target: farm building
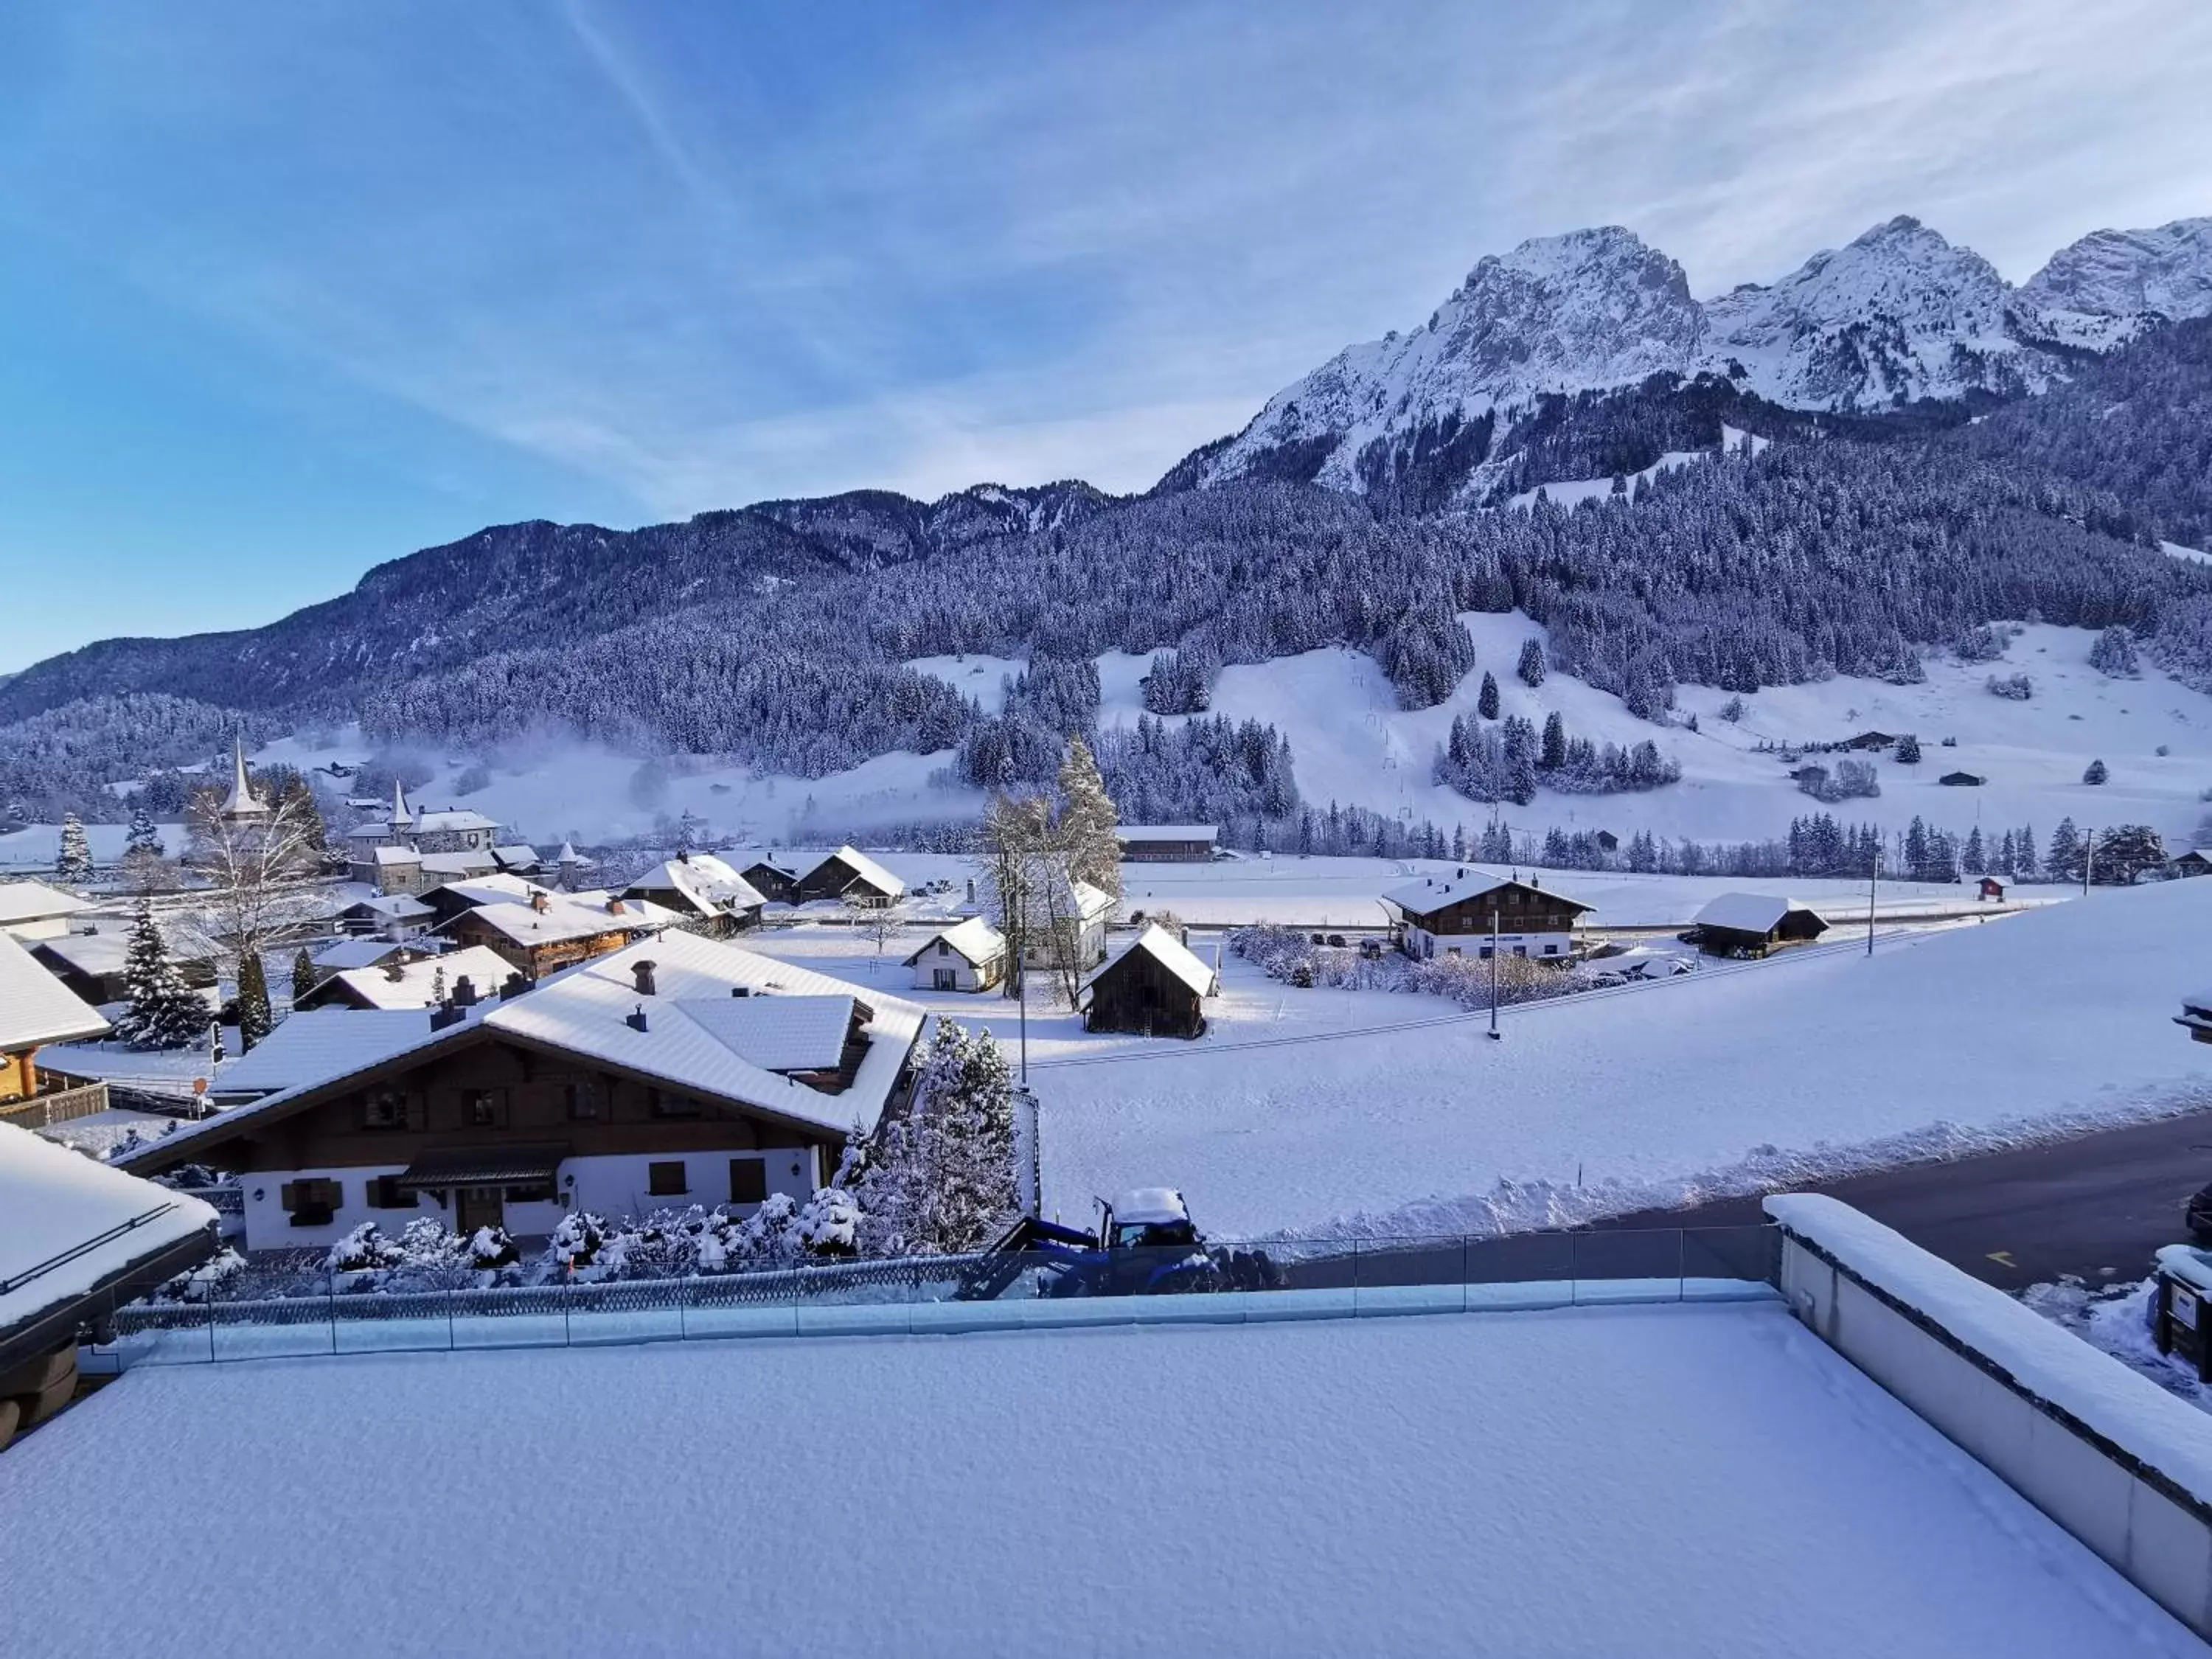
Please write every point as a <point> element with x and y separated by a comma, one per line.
<point>1869,740</point>
<point>35,1009</point>
<point>851,875</point>
<point>1155,988</point>
<point>970,957</point>
<point>679,1071</point>
<point>92,965</point>
<point>1752,925</point>
<point>1962,780</point>
<point>424,982</point>
<point>1453,916</point>
<point>1991,888</point>
<point>772,881</point>
<point>1167,843</point>
<point>2194,862</point>
<point>710,897</point>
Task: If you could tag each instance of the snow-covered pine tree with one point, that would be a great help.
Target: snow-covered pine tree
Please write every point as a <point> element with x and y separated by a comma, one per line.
<point>1485,701</point>
<point>255,1018</point>
<point>1087,821</point>
<point>2114,652</point>
<point>1555,742</point>
<point>2125,853</point>
<point>2096,773</point>
<point>162,1011</point>
<point>142,836</point>
<point>2062,861</point>
<point>1908,750</point>
<point>74,862</point>
<point>303,975</point>
<point>1531,666</point>
<point>939,1179</point>
<point>2023,853</point>
<point>1976,861</point>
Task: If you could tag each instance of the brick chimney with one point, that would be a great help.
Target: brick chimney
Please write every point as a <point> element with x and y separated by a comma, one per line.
<point>642,973</point>
<point>615,907</point>
<point>465,993</point>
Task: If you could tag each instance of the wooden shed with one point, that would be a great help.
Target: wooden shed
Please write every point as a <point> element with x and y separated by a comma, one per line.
<point>1155,988</point>
<point>1962,780</point>
<point>1753,925</point>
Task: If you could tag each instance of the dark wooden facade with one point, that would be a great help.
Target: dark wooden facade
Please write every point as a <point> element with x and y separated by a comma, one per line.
<point>772,882</point>
<point>835,878</point>
<point>487,1089</point>
<point>1136,992</point>
<point>1146,851</point>
<point>1795,927</point>
<point>1521,907</point>
<point>533,960</point>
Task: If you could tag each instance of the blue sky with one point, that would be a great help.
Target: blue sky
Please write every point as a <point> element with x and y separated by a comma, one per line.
<point>288,289</point>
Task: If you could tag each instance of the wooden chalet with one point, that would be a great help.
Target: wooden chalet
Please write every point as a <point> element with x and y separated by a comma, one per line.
<point>1155,988</point>
<point>1989,888</point>
<point>705,892</point>
<point>2194,862</point>
<point>1962,780</point>
<point>680,1071</point>
<point>1452,915</point>
<point>94,965</point>
<point>851,875</point>
<point>545,932</point>
<point>1752,925</point>
<point>35,1009</point>
<point>1869,740</point>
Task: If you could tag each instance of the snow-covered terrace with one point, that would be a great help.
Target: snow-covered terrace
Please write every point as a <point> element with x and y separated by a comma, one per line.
<point>1652,1481</point>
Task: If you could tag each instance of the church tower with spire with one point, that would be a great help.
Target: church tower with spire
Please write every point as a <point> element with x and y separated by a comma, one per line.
<point>241,806</point>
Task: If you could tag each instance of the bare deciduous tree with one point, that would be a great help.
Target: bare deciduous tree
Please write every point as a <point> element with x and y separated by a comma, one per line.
<point>257,871</point>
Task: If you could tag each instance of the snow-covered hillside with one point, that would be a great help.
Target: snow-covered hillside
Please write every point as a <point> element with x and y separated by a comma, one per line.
<point>1316,1110</point>
<point>2102,289</point>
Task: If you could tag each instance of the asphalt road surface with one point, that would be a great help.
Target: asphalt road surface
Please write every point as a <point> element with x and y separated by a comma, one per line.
<point>2096,1206</point>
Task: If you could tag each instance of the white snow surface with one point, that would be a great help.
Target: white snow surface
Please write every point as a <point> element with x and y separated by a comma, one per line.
<point>57,1209</point>
<point>2133,1413</point>
<point>1330,1111</point>
<point>1660,1481</point>
<point>37,1008</point>
<point>2104,290</point>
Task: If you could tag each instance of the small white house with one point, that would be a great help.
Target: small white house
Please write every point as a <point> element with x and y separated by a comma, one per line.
<point>1085,910</point>
<point>969,956</point>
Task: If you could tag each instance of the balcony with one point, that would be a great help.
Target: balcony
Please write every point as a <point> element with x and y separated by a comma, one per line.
<point>43,1109</point>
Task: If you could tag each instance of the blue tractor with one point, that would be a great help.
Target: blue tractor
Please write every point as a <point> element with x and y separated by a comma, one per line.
<point>1145,1245</point>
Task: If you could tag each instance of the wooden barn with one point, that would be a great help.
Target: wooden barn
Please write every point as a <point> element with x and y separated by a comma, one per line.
<point>1452,916</point>
<point>850,874</point>
<point>1167,843</point>
<point>2194,862</point>
<point>1752,925</point>
<point>1991,888</point>
<point>1962,780</point>
<point>774,883</point>
<point>1155,988</point>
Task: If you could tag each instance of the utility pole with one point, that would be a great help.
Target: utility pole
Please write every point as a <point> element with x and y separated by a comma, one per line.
<point>1022,1002</point>
<point>2089,859</point>
<point>1494,1037</point>
<point>1874,875</point>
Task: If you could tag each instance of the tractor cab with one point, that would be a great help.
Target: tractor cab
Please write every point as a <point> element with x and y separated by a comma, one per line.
<point>1153,1218</point>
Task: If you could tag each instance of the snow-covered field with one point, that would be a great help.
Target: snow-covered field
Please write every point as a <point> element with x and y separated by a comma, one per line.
<point>1348,1111</point>
<point>1657,1481</point>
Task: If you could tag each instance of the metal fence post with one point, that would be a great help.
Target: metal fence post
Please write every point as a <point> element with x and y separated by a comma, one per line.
<point>1681,1264</point>
<point>449,1321</point>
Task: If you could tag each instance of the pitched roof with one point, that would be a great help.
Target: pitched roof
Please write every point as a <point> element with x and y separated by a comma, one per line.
<point>1168,831</point>
<point>1170,952</point>
<point>86,953</point>
<point>974,938</point>
<point>37,1008</point>
<point>318,1045</point>
<point>397,907</point>
<point>74,1224</point>
<point>1434,893</point>
<point>584,1010</point>
<point>387,854</point>
<point>485,970</point>
<point>33,901</point>
<point>1748,913</point>
<point>344,953</point>
<point>241,802</point>
<point>453,818</point>
<point>777,1034</point>
<point>704,882</point>
<point>867,870</point>
<point>476,861</point>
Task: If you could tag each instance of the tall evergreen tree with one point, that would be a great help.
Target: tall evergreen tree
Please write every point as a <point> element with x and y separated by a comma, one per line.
<point>939,1179</point>
<point>1531,666</point>
<point>1555,742</point>
<point>255,1018</point>
<point>74,862</point>
<point>143,837</point>
<point>1485,701</point>
<point>303,975</point>
<point>161,1011</point>
<point>2062,861</point>
<point>1088,821</point>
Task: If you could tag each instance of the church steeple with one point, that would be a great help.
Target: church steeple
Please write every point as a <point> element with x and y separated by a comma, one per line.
<point>402,819</point>
<point>241,805</point>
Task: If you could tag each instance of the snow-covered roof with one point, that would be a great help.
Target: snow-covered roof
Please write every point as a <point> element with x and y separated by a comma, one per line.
<point>86,953</point>
<point>72,1223</point>
<point>584,1010</point>
<point>974,938</point>
<point>318,1045</point>
<point>867,870</point>
<point>1434,893</point>
<point>33,901</point>
<point>706,882</point>
<point>1748,913</point>
<point>776,1033</point>
<point>37,1008</point>
<point>475,862</point>
<point>1171,953</point>
<point>568,915</point>
<point>353,953</point>
<point>241,802</point>
<point>485,970</point>
<point>1167,831</point>
<point>453,818</point>
<point>384,853</point>
<point>1152,1206</point>
<point>1091,902</point>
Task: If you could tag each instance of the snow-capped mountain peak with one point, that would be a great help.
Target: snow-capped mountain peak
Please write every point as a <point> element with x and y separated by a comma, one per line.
<point>2104,290</point>
<point>1591,308</point>
<point>1897,314</point>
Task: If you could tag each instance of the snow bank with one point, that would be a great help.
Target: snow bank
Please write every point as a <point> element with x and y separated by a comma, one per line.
<point>1564,1483</point>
